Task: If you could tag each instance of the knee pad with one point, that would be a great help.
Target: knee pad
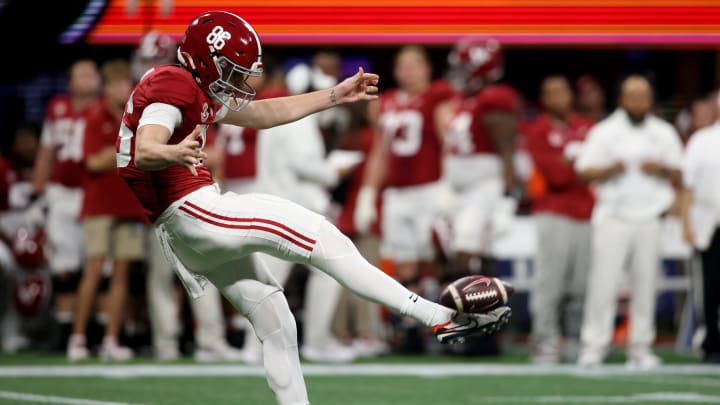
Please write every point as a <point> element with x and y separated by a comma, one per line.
<point>66,283</point>
<point>272,316</point>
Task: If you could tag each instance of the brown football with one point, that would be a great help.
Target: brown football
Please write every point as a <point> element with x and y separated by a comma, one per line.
<point>476,294</point>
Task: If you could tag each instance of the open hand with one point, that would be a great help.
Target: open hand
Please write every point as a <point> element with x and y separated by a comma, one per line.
<point>188,152</point>
<point>361,86</point>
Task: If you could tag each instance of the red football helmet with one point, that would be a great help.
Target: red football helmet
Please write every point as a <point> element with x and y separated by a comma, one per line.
<point>475,63</point>
<point>222,50</point>
<point>31,293</point>
<point>155,48</point>
<point>28,247</point>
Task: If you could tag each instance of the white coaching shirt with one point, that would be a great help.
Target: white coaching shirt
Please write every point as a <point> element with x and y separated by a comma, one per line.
<point>701,175</point>
<point>632,195</point>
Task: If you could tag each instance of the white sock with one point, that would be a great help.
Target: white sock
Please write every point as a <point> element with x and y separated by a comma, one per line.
<point>336,255</point>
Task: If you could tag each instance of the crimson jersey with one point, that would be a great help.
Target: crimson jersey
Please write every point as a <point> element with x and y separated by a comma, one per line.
<point>173,85</point>
<point>467,134</point>
<point>63,131</point>
<point>239,144</point>
<point>408,124</point>
<point>551,145</point>
<point>104,192</point>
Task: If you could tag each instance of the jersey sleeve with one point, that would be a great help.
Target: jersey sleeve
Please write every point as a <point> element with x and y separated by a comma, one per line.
<point>500,98</point>
<point>442,90</point>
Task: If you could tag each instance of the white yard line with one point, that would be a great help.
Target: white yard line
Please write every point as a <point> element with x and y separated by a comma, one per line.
<point>678,380</point>
<point>651,397</point>
<point>51,399</point>
<point>409,370</point>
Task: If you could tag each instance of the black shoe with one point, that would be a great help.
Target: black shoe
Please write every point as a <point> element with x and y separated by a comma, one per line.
<point>711,358</point>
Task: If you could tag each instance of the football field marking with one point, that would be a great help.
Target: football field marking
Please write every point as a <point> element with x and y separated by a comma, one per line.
<point>51,399</point>
<point>649,397</point>
<point>322,370</point>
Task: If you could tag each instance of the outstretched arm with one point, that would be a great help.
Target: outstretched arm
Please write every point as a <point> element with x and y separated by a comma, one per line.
<point>277,111</point>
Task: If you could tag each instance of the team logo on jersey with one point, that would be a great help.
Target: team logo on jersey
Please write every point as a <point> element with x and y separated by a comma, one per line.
<point>205,114</point>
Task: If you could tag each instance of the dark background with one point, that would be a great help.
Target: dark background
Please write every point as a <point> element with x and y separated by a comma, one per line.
<point>34,62</point>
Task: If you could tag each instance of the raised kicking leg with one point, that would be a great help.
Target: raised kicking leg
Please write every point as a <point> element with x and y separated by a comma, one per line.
<point>335,254</point>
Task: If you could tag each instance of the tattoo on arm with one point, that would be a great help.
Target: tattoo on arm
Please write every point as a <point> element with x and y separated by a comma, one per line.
<point>333,99</point>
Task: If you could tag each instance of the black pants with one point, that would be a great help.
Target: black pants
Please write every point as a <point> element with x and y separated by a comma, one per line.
<point>711,293</point>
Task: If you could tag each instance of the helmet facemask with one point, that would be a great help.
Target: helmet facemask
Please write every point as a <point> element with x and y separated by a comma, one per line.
<point>231,88</point>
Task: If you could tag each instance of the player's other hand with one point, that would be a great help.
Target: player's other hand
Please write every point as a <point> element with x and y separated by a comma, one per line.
<point>653,168</point>
<point>188,152</point>
<point>614,170</point>
<point>361,86</point>
<point>365,211</point>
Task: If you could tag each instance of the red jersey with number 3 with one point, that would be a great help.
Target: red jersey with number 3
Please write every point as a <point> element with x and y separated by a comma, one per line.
<point>467,134</point>
<point>408,125</point>
<point>62,131</point>
<point>173,85</point>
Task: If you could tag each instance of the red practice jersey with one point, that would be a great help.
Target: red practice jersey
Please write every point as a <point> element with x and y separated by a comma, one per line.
<point>63,130</point>
<point>362,142</point>
<point>408,124</point>
<point>173,85</point>
<point>239,144</point>
<point>467,134</point>
<point>547,142</point>
<point>105,193</point>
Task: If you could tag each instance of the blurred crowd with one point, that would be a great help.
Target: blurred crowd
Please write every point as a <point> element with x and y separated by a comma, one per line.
<point>424,181</point>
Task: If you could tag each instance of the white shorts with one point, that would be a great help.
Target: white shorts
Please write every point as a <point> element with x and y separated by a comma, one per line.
<point>474,212</point>
<point>65,237</point>
<point>210,231</point>
<point>407,220</point>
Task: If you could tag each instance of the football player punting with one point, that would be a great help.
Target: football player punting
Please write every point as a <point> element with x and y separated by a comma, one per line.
<point>210,235</point>
<point>480,128</point>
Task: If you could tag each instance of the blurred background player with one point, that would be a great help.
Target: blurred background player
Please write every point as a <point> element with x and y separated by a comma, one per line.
<point>292,164</point>
<point>562,216</point>
<point>358,322</point>
<point>22,258</point>
<point>700,209</point>
<point>405,164</point>
<point>157,49</point>
<point>634,158</point>
<point>480,128</point>
<point>590,100</point>
<point>57,178</point>
<point>112,219</point>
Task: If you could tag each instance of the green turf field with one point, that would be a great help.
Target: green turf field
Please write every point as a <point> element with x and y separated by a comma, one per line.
<point>391,381</point>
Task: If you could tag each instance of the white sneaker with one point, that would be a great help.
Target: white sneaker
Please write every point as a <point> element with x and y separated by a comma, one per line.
<point>331,353</point>
<point>253,357</point>
<point>369,347</point>
<point>77,349</point>
<point>167,353</point>
<point>220,352</point>
<point>643,361</point>
<point>15,343</point>
<point>112,350</point>
<point>590,359</point>
<point>547,353</point>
